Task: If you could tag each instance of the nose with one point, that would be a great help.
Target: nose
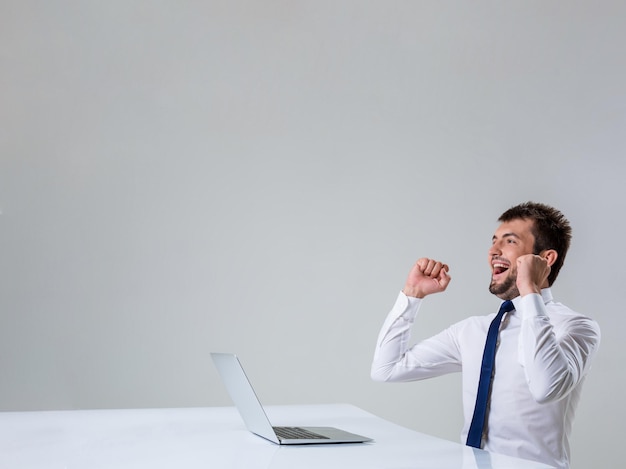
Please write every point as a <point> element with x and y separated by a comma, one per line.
<point>495,250</point>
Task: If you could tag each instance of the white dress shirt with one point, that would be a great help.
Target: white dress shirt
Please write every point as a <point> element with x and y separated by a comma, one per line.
<point>543,356</point>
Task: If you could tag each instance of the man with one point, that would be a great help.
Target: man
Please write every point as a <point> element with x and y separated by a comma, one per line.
<point>544,349</point>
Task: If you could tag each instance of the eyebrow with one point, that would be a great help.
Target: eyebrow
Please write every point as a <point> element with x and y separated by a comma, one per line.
<point>506,235</point>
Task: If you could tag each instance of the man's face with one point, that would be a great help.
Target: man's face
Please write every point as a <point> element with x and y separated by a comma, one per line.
<point>511,240</point>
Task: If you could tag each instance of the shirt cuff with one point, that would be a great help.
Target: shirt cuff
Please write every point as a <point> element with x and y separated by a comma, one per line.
<point>408,301</point>
<point>531,306</point>
<point>406,306</point>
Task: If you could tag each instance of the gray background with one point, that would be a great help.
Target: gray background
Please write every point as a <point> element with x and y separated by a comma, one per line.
<point>180,177</point>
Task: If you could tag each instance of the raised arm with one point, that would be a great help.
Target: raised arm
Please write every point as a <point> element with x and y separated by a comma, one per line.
<point>555,356</point>
<point>394,360</point>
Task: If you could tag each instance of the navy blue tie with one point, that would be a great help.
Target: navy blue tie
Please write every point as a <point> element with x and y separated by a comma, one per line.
<point>475,433</point>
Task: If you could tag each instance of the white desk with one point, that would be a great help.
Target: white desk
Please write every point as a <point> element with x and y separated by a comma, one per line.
<point>215,438</point>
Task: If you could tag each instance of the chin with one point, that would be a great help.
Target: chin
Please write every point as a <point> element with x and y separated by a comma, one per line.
<point>506,290</point>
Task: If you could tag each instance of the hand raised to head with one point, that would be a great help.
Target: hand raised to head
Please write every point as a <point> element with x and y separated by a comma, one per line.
<point>533,271</point>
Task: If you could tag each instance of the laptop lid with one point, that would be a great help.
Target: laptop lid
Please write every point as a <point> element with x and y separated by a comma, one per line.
<point>245,399</point>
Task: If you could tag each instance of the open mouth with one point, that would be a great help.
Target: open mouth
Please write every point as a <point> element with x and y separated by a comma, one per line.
<point>499,268</point>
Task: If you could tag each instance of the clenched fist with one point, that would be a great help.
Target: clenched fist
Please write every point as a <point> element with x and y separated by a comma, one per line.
<point>532,273</point>
<point>426,277</point>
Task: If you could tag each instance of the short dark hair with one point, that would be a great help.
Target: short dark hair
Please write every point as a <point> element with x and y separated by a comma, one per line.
<point>550,228</point>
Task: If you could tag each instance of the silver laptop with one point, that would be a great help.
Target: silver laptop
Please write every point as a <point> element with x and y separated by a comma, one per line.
<point>255,418</point>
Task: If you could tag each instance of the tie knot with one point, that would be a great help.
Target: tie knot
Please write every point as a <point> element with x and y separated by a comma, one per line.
<point>506,306</point>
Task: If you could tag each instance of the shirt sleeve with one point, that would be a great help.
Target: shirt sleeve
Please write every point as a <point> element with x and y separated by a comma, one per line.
<point>555,356</point>
<point>394,360</point>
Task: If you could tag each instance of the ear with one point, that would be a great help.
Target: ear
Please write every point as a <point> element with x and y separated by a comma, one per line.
<point>549,255</point>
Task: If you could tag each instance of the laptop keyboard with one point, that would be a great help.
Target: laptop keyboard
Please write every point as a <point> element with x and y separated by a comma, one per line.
<point>296,433</point>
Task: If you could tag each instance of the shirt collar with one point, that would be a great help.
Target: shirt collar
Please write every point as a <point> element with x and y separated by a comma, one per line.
<point>546,296</point>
